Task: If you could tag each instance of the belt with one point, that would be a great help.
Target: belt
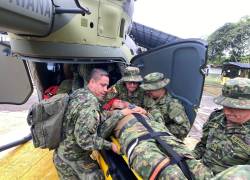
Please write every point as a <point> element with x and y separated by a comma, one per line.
<point>159,167</point>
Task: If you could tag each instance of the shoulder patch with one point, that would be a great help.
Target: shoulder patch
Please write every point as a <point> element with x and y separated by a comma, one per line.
<point>239,142</point>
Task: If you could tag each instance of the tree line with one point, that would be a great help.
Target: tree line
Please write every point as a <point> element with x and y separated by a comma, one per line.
<point>231,42</point>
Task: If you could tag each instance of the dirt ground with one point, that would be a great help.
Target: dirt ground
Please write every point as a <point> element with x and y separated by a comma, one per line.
<point>13,118</point>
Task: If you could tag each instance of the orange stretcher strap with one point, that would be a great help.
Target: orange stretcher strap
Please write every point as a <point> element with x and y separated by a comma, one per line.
<point>164,163</point>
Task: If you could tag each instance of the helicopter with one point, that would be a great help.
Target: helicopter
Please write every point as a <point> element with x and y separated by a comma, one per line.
<point>47,34</point>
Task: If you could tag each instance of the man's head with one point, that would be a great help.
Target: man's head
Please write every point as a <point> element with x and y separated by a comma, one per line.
<point>98,83</point>
<point>235,99</point>
<point>154,84</point>
<point>115,104</point>
<point>119,104</point>
<point>131,78</point>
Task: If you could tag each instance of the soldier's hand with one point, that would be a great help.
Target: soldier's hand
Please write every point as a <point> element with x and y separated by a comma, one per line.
<point>139,110</point>
<point>115,148</point>
<point>127,111</point>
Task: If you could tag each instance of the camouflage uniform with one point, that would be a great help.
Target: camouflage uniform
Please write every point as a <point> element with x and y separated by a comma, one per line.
<point>239,172</point>
<point>224,145</point>
<point>171,109</point>
<point>65,86</point>
<point>80,76</point>
<point>83,116</point>
<point>131,74</point>
<point>147,154</point>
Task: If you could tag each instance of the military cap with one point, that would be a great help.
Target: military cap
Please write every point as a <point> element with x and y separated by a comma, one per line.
<point>154,81</point>
<point>131,74</point>
<point>235,94</point>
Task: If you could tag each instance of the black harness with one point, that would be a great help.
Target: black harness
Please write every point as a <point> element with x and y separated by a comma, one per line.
<point>175,157</point>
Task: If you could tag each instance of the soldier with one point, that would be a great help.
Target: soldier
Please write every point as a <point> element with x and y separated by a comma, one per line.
<point>239,172</point>
<point>127,88</point>
<point>226,134</point>
<point>157,97</point>
<point>146,156</point>
<point>83,116</point>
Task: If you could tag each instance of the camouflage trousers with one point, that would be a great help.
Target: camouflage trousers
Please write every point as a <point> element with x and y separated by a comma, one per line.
<point>147,155</point>
<point>76,170</point>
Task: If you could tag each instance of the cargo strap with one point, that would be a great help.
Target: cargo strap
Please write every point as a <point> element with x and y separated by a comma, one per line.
<point>159,167</point>
<point>132,144</point>
<point>175,157</point>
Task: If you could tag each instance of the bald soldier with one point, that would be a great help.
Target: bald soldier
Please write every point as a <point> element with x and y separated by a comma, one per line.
<point>226,134</point>
<point>81,120</point>
<point>157,98</point>
<point>146,155</point>
<point>128,88</point>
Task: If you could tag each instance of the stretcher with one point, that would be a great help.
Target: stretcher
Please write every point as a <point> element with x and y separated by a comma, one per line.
<point>108,161</point>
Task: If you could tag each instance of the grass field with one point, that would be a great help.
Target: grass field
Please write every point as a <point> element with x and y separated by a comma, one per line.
<point>212,84</point>
<point>213,79</point>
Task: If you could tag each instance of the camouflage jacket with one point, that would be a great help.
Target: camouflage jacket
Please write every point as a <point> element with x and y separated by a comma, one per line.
<point>172,112</point>
<point>81,120</point>
<point>65,87</point>
<point>119,91</point>
<point>238,172</point>
<point>223,146</point>
<point>147,154</point>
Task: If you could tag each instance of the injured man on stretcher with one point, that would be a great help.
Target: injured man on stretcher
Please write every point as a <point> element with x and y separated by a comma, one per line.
<point>152,151</point>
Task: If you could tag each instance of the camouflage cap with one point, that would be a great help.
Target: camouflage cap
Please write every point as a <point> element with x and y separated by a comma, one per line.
<point>235,94</point>
<point>154,81</point>
<point>131,74</point>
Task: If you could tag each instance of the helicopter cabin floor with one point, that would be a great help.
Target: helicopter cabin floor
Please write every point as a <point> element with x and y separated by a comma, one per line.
<point>27,163</point>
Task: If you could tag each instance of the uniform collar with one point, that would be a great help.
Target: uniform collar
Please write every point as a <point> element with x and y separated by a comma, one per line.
<point>162,100</point>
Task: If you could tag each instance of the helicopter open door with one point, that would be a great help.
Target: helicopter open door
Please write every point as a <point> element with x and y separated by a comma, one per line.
<point>183,62</point>
<point>15,82</point>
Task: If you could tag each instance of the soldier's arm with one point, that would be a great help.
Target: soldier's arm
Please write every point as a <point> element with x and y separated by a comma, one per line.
<point>86,130</point>
<point>200,147</point>
<point>156,114</point>
<point>180,125</point>
<point>109,123</point>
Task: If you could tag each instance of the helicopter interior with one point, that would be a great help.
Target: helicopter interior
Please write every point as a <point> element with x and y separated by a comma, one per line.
<point>47,74</point>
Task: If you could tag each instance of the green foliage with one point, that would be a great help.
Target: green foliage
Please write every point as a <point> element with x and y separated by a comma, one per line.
<point>245,59</point>
<point>232,41</point>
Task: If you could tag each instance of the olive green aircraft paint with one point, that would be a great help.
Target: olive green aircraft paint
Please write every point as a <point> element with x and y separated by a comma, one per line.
<point>101,34</point>
<point>41,7</point>
<point>16,85</point>
<point>28,17</point>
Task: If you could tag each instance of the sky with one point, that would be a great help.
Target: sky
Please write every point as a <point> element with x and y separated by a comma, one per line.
<point>189,18</point>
